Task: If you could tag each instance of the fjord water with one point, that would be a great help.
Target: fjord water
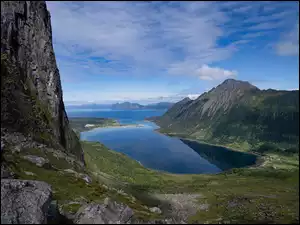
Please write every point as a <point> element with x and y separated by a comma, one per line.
<point>157,151</point>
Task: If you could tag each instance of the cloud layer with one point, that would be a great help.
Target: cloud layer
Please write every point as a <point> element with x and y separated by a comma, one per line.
<point>113,37</point>
<point>173,38</point>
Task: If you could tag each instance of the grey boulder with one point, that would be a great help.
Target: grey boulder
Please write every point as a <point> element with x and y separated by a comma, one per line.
<point>110,212</point>
<point>39,161</point>
<point>24,201</point>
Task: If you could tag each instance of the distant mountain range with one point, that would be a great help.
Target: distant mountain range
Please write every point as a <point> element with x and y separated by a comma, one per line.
<point>123,106</point>
<point>128,105</point>
<point>236,113</point>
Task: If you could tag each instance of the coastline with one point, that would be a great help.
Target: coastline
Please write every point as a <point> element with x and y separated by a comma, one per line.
<point>113,126</point>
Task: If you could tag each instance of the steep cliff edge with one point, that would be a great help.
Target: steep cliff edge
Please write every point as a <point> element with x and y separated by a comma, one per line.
<point>31,92</point>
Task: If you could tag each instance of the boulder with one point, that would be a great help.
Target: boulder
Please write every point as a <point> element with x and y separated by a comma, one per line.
<point>39,161</point>
<point>24,201</point>
<point>155,210</point>
<point>110,212</point>
<point>83,176</point>
<point>29,173</point>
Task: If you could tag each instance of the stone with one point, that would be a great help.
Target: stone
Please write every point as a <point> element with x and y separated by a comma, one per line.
<point>24,201</point>
<point>110,212</point>
<point>86,178</point>
<point>83,176</point>
<point>16,149</point>
<point>155,210</point>
<point>39,161</point>
<point>29,173</point>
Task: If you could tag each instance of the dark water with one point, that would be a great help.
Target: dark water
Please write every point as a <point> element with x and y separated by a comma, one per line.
<point>158,151</point>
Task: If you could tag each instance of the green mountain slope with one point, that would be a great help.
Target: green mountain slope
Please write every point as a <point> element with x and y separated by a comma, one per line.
<point>237,112</point>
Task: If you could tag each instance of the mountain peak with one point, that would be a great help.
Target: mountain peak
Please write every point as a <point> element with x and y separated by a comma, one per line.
<point>237,84</point>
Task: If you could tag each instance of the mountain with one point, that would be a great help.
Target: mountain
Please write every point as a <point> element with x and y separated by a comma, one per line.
<point>89,106</point>
<point>160,105</point>
<point>127,105</point>
<point>237,112</point>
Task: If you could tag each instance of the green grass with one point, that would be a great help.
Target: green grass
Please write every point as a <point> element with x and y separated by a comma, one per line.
<point>66,187</point>
<point>260,194</point>
<point>244,195</point>
<point>79,123</point>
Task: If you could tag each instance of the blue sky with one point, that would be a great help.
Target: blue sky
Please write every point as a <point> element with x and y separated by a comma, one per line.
<point>147,52</point>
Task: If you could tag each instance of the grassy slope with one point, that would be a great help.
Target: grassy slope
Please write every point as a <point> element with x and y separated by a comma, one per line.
<point>258,117</point>
<point>260,194</point>
<point>69,191</point>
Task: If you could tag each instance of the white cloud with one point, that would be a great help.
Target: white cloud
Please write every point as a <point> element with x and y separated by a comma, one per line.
<point>289,44</point>
<point>193,96</point>
<point>138,38</point>
<point>214,73</point>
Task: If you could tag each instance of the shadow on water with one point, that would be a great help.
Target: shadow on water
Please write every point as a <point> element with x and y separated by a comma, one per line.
<point>222,157</point>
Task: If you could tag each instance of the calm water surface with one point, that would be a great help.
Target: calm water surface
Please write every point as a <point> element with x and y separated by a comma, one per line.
<point>158,151</point>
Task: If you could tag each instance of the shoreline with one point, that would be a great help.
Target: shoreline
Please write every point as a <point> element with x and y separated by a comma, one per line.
<point>258,164</point>
<point>113,126</point>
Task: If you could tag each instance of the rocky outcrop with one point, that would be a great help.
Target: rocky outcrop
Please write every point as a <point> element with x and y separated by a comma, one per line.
<point>24,201</point>
<point>31,93</point>
<point>39,161</point>
<point>85,177</point>
<point>108,213</point>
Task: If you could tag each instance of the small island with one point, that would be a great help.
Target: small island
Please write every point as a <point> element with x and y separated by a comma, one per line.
<point>80,124</point>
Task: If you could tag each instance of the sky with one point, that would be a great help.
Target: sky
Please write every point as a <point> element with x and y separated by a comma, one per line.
<point>148,52</point>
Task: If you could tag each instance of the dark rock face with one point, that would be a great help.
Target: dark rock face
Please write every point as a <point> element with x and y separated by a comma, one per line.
<point>31,93</point>
<point>108,213</point>
<point>24,201</point>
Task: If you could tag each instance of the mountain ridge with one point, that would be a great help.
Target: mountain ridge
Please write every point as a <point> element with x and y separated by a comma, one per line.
<point>237,111</point>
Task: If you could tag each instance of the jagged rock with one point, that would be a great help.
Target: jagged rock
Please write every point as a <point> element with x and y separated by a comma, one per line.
<point>24,201</point>
<point>108,213</point>
<point>16,149</point>
<point>155,210</point>
<point>85,177</point>
<point>39,161</point>
<point>29,173</point>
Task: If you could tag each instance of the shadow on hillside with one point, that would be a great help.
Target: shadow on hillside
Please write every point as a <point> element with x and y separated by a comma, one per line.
<point>145,195</point>
<point>222,157</point>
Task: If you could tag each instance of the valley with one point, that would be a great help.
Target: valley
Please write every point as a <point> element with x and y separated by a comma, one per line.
<point>229,155</point>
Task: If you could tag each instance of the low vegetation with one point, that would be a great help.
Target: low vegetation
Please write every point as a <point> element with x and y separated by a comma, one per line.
<point>79,123</point>
<point>245,195</point>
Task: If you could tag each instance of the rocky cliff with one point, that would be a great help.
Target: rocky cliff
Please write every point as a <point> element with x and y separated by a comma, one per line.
<point>31,92</point>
